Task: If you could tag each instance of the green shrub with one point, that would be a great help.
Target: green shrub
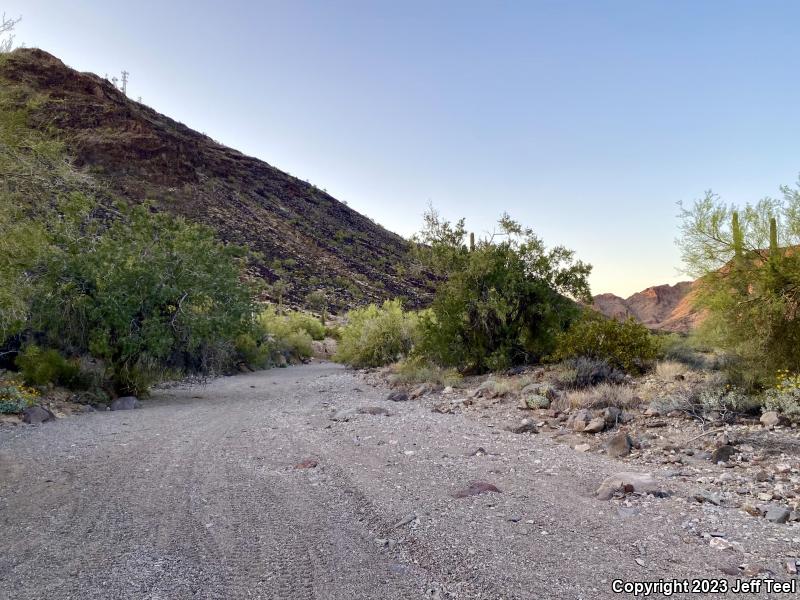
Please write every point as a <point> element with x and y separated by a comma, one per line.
<point>43,367</point>
<point>149,293</point>
<point>376,336</point>
<point>288,334</point>
<point>499,303</point>
<point>625,345</point>
<point>15,396</point>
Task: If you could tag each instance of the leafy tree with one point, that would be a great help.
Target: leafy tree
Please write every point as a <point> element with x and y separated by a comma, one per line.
<point>749,280</point>
<point>146,293</point>
<point>499,303</point>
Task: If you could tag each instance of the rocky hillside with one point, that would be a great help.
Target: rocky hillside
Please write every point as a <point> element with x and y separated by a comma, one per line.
<point>305,237</point>
<point>664,307</point>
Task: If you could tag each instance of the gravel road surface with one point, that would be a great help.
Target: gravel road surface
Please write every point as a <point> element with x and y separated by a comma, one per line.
<point>198,495</point>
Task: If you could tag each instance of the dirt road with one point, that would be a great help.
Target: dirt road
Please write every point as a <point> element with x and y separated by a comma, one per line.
<point>197,496</point>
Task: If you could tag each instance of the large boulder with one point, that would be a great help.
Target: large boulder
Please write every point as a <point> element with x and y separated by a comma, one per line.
<point>34,415</point>
<point>626,483</point>
<point>125,403</point>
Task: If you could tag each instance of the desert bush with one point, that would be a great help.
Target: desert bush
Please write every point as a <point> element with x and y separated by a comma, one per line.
<point>15,396</point>
<point>418,370</point>
<point>602,396</point>
<point>586,372</point>
<point>728,398</point>
<point>378,335</point>
<point>43,367</point>
<point>784,397</point>
<point>626,345</point>
<point>499,303</point>
<point>287,333</point>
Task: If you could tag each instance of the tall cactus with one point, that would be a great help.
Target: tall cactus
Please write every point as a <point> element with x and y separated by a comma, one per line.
<point>773,239</point>
<point>738,236</point>
<point>471,242</point>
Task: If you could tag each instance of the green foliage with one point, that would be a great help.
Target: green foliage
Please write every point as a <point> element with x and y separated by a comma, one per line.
<point>147,293</point>
<point>289,333</point>
<point>15,396</point>
<point>375,336</point>
<point>749,281</point>
<point>501,303</point>
<point>43,367</point>
<point>626,345</point>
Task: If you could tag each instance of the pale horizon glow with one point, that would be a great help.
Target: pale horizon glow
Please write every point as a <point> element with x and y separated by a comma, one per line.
<point>587,121</point>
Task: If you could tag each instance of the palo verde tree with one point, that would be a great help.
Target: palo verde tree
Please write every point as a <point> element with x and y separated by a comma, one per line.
<point>501,300</point>
<point>748,266</point>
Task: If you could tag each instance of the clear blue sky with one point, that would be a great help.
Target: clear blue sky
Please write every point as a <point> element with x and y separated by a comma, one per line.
<point>588,121</point>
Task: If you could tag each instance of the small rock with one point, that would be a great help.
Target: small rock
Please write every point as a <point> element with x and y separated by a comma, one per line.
<point>475,488</point>
<point>706,496</point>
<point>627,482</point>
<point>344,415</point>
<point>791,566</point>
<point>580,419</point>
<point>620,445</point>
<point>125,403</point>
<point>374,410</point>
<point>397,396</point>
<point>583,447</point>
<point>34,415</point>
<point>596,425</point>
<point>612,415</point>
<point>723,454</point>
<point>100,406</point>
<point>308,463</point>
<point>525,427</point>
<point>719,543</point>
<point>778,514</point>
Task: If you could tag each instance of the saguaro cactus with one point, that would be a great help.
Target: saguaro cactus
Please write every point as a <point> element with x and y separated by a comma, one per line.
<point>773,239</point>
<point>738,235</point>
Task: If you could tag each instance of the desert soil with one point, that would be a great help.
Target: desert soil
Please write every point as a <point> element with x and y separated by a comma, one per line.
<point>246,488</point>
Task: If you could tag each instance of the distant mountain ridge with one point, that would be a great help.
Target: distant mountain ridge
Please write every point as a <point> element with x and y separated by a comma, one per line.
<point>662,307</point>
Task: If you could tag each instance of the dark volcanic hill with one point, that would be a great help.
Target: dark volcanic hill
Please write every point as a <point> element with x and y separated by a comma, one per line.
<point>664,307</point>
<point>306,238</point>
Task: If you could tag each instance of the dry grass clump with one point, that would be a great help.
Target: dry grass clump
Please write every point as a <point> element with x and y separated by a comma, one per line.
<point>602,396</point>
<point>413,371</point>
<point>670,369</point>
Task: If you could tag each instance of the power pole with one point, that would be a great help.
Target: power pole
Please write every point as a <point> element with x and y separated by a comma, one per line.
<point>125,82</point>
